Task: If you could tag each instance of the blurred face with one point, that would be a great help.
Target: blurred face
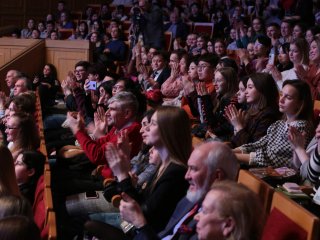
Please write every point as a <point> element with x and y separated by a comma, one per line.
<point>295,54</point>
<point>220,84</point>
<point>250,32</point>
<point>144,125</point>
<point>114,33</point>
<point>22,172</point>
<point>54,36</point>
<point>309,36</point>
<point>252,94</point>
<point>94,37</point>
<point>30,24</point>
<point>201,43</point>
<point>116,115</point>
<point>157,63</point>
<point>259,49</point>
<point>210,224</point>
<point>256,25</point>
<point>289,102</point>
<point>173,18</point>
<point>144,59</point>
<point>241,94</point>
<point>285,29</point>
<point>297,32</point>
<point>151,53</point>
<point>233,34</point>
<point>272,32</point>
<point>19,87</point>
<point>183,65</point>
<point>49,27</point>
<point>250,49</point>
<point>283,57</point>
<point>193,71</point>
<point>12,109</point>
<point>10,78</point>
<point>154,157</point>
<point>152,134</point>
<point>41,27</point>
<point>118,87</point>
<point>205,71</point>
<point>194,10</point>
<point>174,59</point>
<point>46,70</point>
<point>80,73</point>
<point>219,49</point>
<point>35,34</point>
<point>314,52</point>
<point>210,47</point>
<point>192,40</point>
<point>12,129</point>
<point>196,176</point>
<point>82,27</point>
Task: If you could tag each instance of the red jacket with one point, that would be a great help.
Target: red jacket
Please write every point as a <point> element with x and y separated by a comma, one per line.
<point>95,149</point>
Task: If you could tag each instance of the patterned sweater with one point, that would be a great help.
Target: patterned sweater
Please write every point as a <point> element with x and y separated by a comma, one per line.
<point>274,149</point>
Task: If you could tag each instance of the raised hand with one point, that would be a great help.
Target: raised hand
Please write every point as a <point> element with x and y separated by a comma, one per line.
<point>296,138</point>
<point>201,89</point>
<point>100,123</point>
<point>131,212</point>
<point>118,161</point>
<point>188,86</point>
<point>75,123</point>
<point>235,117</point>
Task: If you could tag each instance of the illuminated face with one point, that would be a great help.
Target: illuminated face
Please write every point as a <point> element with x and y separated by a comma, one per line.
<point>10,78</point>
<point>241,94</point>
<point>295,54</point>
<point>80,73</point>
<point>210,224</point>
<point>152,133</point>
<point>193,71</point>
<point>314,52</point>
<point>283,57</point>
<point>289,102</point>
<point>297,32</point>
<point>116,115</point>
<point>205,71</point>
<point>285,29</point>
<point>220,83</point>
<point>12,129</point>
<point>22,172</point>
<point>19,87</point>
<point>252,94</point>
<point>157,63</point>
<point>196,176</point>
<point>219,49</point>
<point>46,70</point>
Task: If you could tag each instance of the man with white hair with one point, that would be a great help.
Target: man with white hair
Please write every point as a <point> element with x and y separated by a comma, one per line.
<point>210,162</point>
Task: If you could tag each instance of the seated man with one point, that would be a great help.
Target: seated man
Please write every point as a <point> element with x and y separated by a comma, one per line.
<point>208,163</point>
<point>121,115</point>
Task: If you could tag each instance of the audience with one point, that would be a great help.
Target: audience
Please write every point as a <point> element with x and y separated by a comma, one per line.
<point>273,51</point>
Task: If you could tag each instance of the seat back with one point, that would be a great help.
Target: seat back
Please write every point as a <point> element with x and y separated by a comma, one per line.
<point>203,28</point>
<point>65,33</point>
<point>302,222</point>
<point>261,188</point>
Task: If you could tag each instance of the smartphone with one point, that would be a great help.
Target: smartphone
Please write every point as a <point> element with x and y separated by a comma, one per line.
<point>91,195</point>
<point>271,59</point>
<point>92,85</point>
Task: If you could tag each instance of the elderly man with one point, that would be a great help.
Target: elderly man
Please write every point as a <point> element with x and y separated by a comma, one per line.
<point>210,162</point>
<point>22,85</point>
<point>11,78</point>
<point>121,115</point>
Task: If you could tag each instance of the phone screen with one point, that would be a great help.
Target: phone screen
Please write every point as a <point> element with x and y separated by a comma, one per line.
<point>91,194</point>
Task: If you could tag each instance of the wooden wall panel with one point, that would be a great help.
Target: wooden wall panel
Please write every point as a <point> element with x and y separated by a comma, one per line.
<point>10,48</point>
<point>65,54</point>
<point>29,61</point>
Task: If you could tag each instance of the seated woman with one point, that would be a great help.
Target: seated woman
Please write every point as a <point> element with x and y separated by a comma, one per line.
<point>299,56</point>
<point>29,167</point>
<point>22,133</point>
<point>262,100</point>
<point>159,198</point>
<point>173,86</point>
<point>274,148</point>
<point>169,133</point>
<point>230,211</point>
<point>307,159</point>
<point>47,84</point>
<point>226,86</point>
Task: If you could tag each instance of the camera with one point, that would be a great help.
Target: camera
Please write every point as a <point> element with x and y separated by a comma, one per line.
<point>92,85</point>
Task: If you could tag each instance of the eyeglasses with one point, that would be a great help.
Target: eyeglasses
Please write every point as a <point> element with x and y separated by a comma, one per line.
<point>8,127</point>
<point>203,66</point>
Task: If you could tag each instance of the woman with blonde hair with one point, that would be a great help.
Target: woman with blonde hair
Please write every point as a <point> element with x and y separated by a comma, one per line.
<point>8,182</point>
<point>230,211</point>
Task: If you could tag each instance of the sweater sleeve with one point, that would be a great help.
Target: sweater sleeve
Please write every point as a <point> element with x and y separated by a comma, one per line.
<point>171,87</point>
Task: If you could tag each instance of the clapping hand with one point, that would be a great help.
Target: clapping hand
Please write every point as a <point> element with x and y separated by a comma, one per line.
<point>131,212</point>
<point>75,123</point>
<point>296,138</point>
<point>201,89</point>
<point>235,117</point>
<point>100,123</point>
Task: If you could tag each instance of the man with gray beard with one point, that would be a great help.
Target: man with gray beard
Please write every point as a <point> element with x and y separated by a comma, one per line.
<point>213,161</point>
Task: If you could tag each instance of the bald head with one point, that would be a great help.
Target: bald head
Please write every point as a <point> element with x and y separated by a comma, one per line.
<point>209,162</point>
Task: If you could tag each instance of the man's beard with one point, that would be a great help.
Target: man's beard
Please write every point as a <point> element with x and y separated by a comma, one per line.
<point>196,196</point>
